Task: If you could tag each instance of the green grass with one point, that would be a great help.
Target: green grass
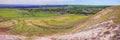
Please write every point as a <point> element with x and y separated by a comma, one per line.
<point>42,23</point>
<point>16,13</point>
<point>41,14</point>
<point>9,13</point>
<point>23,29</point>
<point>48,26</point>
<point>69,18</point>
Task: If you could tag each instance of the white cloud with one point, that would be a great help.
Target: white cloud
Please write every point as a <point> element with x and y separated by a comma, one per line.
<point>33,1</point>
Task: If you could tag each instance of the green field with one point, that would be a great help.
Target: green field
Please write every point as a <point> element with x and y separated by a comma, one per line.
<point>16,13</point>
<point>40,24</point>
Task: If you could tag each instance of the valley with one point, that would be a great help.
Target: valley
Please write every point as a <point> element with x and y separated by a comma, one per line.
<point>63,23</point>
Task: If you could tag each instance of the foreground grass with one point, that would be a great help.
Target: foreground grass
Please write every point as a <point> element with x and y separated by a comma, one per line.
<point>41,24</point>
<point>45,26</point>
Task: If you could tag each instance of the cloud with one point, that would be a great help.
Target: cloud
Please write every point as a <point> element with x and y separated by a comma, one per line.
<point>33,1</point>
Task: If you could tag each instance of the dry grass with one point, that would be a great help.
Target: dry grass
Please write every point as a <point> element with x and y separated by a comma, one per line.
<point>45,26</point>
<point>111,13</point>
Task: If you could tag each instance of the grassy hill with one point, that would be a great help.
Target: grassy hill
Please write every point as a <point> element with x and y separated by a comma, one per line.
<point>50,23</point>
<point>111,13</point>
<point>41,24</point>
<point>105,25</point>
<point>78,24</point>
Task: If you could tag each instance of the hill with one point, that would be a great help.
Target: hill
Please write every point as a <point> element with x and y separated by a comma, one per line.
<point>105,25</point>
<point>31,6</point>
<point>44,6</point>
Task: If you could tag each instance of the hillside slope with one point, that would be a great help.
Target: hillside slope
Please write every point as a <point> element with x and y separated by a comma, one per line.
<point>105,25</point>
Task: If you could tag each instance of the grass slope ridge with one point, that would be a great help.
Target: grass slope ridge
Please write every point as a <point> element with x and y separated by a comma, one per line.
<point>111,13</point>
<point>41,26</point>
<point>103,26</point>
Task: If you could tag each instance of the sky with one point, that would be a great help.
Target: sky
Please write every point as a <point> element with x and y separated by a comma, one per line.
<point>62,2</point>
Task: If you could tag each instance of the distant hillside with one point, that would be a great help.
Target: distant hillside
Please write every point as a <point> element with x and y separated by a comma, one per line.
<point>31,6</point>
<point>44,6</point>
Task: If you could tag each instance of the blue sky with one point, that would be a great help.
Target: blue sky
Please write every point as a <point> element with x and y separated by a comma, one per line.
<point>62,2</point>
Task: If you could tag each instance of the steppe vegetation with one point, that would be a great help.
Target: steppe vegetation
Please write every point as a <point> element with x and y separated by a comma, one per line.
<point>44,21</point>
